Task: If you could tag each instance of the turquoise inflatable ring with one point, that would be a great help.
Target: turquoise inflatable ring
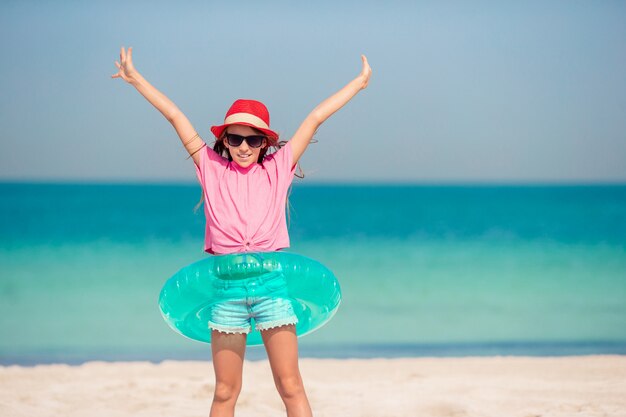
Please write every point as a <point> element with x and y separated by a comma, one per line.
<point>187,297</point>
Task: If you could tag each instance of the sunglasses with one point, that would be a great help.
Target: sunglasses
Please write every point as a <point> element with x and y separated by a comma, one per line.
<point>253,141</point>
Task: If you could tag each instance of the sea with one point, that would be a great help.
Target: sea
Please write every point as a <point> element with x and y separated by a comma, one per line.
<point>425,270</point>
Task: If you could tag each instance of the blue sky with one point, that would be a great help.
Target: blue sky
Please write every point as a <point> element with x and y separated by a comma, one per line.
<point>461,91</point>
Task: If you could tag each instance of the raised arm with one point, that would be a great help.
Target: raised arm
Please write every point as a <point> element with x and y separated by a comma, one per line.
<point>325,109</point>
<point>187,134</point>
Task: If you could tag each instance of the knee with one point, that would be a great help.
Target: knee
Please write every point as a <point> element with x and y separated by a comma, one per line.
<point>225,392</point>
<point>290,386</point>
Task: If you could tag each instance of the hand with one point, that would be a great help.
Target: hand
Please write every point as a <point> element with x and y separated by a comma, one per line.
<point>366,72</point>
<point>126,69</point>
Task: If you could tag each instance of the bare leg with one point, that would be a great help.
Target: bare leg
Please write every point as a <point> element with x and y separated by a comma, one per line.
<point>228,352</point>
<point>281,345</point>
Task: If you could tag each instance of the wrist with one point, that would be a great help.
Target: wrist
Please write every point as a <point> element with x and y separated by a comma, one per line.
<point>362,81</point>
<point>135,78</point>
<point>357,84</point>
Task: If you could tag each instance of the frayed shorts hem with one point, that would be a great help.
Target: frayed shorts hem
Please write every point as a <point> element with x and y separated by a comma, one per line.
<point>229,330</point>
<point>259,326</point>
<point>276,323</point>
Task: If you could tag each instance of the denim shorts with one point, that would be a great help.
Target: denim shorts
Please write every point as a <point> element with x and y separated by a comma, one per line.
<point>263,298</point>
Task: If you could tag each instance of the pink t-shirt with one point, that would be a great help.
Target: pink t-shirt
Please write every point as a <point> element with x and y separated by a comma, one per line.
<point>245,207</point>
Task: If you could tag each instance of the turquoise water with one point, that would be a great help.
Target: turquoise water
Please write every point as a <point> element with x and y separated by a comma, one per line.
<point>424,270</point>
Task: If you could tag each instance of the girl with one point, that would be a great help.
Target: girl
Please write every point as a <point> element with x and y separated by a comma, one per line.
<point>245,190</point>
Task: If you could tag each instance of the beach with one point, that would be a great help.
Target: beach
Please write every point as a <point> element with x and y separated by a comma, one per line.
<point>512,306</point>
<point>468,386</point>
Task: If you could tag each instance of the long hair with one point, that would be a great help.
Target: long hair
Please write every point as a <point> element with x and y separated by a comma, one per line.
<point>220,149</point>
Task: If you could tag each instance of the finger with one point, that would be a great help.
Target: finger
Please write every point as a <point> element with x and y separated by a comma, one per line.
<point>365,63</point>
<point>122,55</point>
<point>130,54</point>
<point>119,67</point>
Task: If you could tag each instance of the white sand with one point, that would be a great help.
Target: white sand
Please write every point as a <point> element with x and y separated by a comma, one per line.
<point>495,386</point>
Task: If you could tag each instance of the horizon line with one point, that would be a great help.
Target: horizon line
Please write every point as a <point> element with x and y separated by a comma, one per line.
<point>298,183</point>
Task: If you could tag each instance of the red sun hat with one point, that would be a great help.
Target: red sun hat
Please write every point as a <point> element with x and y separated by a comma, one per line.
<point>248,113</point>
